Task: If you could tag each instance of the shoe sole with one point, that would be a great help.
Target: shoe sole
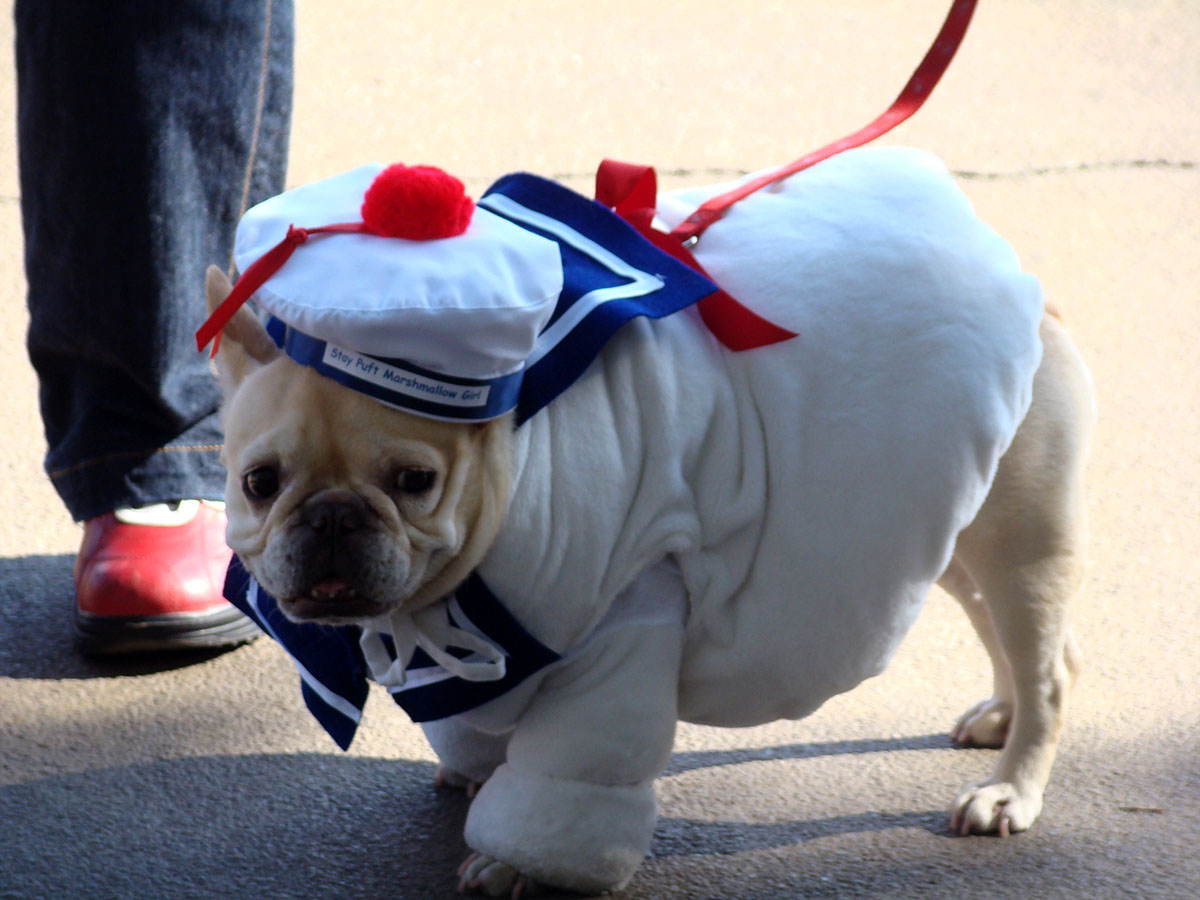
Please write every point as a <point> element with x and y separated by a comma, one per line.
<point>110,635</point>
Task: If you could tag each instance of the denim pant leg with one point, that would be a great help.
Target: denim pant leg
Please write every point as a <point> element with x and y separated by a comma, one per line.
<point>145,129</point>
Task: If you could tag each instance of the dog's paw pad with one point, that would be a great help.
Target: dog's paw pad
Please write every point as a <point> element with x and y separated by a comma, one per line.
<point>983,725</point>
<point>1000,808</point>
<point>482,873</point>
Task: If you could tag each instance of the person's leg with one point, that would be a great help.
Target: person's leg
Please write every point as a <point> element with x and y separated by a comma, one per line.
<point>138,124</point>
<point>144,131</point>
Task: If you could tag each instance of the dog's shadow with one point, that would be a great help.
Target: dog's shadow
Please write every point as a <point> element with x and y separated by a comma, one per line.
<point>702,759</point>
<point>309,825</point>
<point>689,837</point>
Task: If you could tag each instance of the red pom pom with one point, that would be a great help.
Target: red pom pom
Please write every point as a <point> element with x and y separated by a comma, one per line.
<point>418,203</point>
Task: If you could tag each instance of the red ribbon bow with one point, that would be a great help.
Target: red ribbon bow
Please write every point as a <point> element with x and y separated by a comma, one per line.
<point>630,190</point>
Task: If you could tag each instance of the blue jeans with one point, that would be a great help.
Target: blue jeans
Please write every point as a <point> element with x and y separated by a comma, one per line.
<point>145,128</point>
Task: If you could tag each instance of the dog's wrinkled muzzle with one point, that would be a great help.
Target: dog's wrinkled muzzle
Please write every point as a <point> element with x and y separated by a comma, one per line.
<point>333,535</point>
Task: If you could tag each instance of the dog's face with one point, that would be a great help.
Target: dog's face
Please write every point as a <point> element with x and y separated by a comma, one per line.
<point>342,508</point>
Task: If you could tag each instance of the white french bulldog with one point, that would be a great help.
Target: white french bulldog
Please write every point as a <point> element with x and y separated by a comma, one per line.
<point>717,537</point>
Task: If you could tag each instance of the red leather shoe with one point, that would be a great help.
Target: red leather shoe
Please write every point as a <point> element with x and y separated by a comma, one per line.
<point>151,579</point>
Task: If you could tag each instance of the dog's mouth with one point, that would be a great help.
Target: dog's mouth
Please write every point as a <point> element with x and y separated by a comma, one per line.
<point>332,600</point>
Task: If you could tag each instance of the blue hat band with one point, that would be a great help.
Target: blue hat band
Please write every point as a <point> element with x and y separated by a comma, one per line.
<point>399,383</point>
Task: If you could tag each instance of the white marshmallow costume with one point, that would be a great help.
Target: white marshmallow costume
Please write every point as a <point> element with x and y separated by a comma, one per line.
<point>732,538</point>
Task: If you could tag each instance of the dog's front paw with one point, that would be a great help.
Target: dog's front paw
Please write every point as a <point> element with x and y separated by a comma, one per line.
<point>984,725</point>
<point>445,777</point>
<point>480,872</point>
<point>995,808</point>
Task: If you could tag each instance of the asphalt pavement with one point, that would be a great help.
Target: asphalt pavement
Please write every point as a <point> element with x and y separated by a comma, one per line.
<point>1075,130</point>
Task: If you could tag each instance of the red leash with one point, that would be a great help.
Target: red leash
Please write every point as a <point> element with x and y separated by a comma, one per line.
<point>256,276</point>
<point>629,189</point>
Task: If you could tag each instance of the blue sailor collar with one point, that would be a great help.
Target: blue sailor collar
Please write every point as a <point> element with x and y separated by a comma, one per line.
<point>334,671</point>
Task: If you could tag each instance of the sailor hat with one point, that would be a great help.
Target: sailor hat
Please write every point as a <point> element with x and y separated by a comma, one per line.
<point>393,282</point>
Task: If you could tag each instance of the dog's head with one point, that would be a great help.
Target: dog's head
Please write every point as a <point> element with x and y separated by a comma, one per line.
<point>342,508</point>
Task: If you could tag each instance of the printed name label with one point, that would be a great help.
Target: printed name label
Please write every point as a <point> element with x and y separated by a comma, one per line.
<point>404,382</point>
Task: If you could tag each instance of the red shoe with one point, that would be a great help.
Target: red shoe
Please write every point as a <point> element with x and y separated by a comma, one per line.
<point>151,579</point>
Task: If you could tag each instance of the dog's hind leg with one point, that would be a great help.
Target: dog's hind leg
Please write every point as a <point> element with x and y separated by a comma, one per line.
<point>986,723</point>
<point>1015,569</point>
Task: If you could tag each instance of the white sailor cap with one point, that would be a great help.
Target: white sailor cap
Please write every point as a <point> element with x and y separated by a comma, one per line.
<point>393,282</point>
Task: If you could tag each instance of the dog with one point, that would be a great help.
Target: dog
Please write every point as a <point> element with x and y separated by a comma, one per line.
<point>728,592</point>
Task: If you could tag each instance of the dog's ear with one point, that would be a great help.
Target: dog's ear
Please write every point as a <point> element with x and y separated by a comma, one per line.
<point>245,344</point>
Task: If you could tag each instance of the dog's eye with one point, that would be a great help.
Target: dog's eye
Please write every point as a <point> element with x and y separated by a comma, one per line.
<point>415,481</point>
<point>261,483</point>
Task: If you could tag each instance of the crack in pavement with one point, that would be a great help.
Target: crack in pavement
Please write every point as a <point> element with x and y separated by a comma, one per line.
<point>966,174</point>
<point>1181,165</point>
<point>1072,168</point>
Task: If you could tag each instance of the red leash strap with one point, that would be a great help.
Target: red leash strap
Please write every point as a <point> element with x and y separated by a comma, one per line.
<point>257,274</point>
<point>630,191</point>
<point>915,93</point>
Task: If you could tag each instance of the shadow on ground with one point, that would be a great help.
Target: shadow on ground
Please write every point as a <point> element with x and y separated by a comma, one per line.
<point>321,826</point>
<point>291,826</point>
<point>279,826</point>
<point>36,641</point>
<point>703,759</point>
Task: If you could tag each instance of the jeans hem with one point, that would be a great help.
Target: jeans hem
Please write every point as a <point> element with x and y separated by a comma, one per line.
<point>93,487</point>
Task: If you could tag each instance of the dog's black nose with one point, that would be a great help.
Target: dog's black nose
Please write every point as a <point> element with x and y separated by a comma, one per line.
<point>334,513</point>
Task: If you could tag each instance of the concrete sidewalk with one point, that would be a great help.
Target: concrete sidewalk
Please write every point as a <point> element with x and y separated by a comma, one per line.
<point>1076,130</point>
